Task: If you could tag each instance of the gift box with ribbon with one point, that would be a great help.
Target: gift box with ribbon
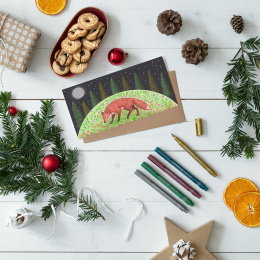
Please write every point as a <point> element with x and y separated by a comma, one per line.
<point>17,42</point>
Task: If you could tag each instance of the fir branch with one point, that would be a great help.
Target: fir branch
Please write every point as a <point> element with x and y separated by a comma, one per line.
<point>89,209</point>
<point>21,149</point>
<point>241,89</point>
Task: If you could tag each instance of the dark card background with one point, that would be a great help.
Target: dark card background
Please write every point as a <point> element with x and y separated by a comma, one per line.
<point>156,67</point>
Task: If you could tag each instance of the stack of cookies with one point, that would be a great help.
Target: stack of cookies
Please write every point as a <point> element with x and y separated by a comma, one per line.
<point>76,49</point>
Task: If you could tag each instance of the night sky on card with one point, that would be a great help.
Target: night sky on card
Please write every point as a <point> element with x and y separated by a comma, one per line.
<point>81,92</point>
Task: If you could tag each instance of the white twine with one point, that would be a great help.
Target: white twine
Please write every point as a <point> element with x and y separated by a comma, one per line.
<point>21,218</point>
<point>5,61</point>
<point>15,218</point>
<point>114,213</point>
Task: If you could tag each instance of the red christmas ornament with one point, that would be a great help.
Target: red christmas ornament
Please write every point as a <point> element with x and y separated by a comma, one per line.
<point>50,163</point>
<point>12,111</point>
<point>117,56</point>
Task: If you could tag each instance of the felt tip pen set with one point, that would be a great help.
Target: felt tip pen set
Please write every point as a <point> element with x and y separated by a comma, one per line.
<point>172,190</point>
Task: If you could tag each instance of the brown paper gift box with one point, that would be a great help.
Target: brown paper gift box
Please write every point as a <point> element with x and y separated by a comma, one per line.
<point>20,41</point>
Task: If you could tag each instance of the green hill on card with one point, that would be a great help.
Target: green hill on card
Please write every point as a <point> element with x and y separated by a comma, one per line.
<point>94,123</point>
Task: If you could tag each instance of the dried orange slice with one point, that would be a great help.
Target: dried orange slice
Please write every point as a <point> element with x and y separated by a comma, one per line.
<point>247,209</point>
<point>51,7</point>
<point>236,188</point>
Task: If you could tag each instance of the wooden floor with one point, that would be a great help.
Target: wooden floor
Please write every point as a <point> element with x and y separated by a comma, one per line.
<point>107,166</point>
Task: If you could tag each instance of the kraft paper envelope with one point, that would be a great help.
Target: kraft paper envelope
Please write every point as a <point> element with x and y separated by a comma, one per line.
<point>168,117</point>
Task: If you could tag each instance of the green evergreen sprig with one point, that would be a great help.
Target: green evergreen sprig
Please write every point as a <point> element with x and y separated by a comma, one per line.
<point>22,148</point>
<point>242,90</point>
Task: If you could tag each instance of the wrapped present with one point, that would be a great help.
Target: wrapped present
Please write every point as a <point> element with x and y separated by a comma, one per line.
<point>17,42</point>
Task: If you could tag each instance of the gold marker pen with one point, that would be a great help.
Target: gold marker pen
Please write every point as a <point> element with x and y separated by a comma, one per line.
<point>195,156</point>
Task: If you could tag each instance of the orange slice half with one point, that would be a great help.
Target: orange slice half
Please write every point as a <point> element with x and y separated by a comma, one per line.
<point>51,7</point>
<point>235,188</point>
<point>247,209</point>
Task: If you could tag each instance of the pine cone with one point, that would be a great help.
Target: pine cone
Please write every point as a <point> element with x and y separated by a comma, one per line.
<point>194,51</point>
<point>237,23</point>
<point>169,22</point>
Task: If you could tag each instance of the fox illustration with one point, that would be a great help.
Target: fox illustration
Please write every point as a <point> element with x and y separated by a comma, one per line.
<point>118,105</point>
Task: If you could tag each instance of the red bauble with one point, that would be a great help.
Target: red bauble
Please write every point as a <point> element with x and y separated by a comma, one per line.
<point>12,111</point>
<point>50,163</point>
<point>117,56</point>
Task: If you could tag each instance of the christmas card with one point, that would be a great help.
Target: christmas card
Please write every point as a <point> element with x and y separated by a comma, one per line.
<point>138,98</point>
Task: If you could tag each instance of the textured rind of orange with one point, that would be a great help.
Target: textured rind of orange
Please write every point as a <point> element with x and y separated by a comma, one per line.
<point>224,192</point>
<point>245,224</point>
<point>44,12</point>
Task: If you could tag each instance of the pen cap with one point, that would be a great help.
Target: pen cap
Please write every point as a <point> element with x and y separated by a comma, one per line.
<point>148,168</point>
<point>142,176</point>
<point>198,125</point>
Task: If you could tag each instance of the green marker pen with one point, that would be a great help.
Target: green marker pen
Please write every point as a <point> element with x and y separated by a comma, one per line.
<point>167,184</point>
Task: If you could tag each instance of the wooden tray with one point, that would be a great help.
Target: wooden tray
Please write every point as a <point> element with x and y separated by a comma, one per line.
<point>102,17</point>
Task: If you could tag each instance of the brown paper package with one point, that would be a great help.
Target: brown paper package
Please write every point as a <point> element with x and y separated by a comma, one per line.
<point>168,117</point>
<point>20,41</point>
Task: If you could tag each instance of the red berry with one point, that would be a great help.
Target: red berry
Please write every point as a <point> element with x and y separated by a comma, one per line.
<point>12,111</point>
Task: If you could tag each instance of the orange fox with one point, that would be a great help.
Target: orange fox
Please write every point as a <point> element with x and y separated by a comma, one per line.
<point>128,104</point>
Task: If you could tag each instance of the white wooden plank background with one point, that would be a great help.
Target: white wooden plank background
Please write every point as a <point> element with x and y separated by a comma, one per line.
<point>113,256</point>
<point>108,165</point>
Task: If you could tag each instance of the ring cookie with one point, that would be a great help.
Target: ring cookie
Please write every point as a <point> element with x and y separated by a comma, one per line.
<point>61,70</point>
<point>82,56</point>
<point>77,68</point>
<point>91,45</point>
<point>70,46</point>
<point>96,32</point>
<point>76,49</point>
<point>88,21</point>
<point>63,58</point>
<point>76,32</point>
